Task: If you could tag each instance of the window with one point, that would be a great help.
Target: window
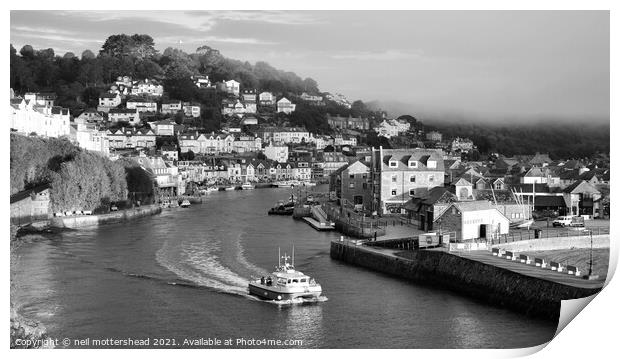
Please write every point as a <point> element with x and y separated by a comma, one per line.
<point>431,178</point>
<point>351,176</point>
<point>412,192</point>
<point>351,185</point>
<point>431,164</point>
<point>393,191</point>
<point>412,179</point>
<point>394,178</point>
<point>413,164</point>
<point>393,164</point>
<point>364,185</point>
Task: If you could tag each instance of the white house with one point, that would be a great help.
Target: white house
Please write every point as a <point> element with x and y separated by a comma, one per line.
<point>142,105</point>
<point>266,99</point>
<point>232,87</point>
<point>286,106</point>
<point>89,137</point>
<point>109,100</point>
<point>124,115</point>
<point>27,118</point>
<point>472,220</point>
<point>276,153</point>
<point>171,107</point>
<point>191,110</point>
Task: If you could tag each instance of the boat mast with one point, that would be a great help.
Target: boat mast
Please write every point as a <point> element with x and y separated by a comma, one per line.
<point>278,256</point>
<point>293,264</point>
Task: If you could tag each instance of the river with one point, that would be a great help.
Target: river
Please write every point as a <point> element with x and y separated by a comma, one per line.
<point>183,275</point>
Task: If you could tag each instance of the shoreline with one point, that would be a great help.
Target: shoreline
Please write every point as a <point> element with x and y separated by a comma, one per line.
<point>25,333</point>
<point>493,285</point>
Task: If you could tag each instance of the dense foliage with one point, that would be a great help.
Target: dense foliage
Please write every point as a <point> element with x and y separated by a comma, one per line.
<point>88,182</point>
<point>559,140</point>
<point>80,180</point>
<point>77,81</point>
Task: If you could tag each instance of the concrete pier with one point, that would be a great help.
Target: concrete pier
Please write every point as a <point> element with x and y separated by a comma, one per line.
<point>97,219</point>
<point>533,296</point>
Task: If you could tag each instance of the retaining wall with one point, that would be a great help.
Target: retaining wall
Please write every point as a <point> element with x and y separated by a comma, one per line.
<point>550,244</point>
<point>97,219</point>
<point>494,285</point>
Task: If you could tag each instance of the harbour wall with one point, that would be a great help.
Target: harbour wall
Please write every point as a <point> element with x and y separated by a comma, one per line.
<point>493,285</point>
<point>550,244</point>
<point>97,219</point>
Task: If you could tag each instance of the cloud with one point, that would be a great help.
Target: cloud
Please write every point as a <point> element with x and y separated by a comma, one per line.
<point>387,55</point>
<point>266,16</point>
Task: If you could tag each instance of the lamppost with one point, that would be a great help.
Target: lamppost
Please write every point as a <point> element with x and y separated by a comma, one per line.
<point>590,269</point>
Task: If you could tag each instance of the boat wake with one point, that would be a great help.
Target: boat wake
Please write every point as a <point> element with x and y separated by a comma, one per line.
<point>198,263</point>
<point>297,301</point>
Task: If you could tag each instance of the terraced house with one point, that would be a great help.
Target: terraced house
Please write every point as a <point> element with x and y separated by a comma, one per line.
<point>397,175</point>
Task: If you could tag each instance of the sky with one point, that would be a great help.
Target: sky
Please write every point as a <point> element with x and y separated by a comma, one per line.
<point>494,65</point>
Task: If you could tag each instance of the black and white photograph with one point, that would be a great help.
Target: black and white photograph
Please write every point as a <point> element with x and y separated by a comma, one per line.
<point>306,179</point>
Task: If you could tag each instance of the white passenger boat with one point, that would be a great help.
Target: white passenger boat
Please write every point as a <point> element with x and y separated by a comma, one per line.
<point>285,283</point>
<point>185,203</point>
<point>283,184</point>
<point>247,185</point>
<point>212,189</point>
<point>229,188</point>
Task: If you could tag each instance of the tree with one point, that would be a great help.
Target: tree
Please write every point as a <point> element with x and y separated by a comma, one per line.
<point>27,51</point>
<point>87,55</point>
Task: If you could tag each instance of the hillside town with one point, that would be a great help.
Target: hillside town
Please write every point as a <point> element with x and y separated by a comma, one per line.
<point>135,119</point>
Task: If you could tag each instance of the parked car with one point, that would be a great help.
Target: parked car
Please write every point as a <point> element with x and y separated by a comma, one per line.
<point>571,221</point>
<point>562,221</point>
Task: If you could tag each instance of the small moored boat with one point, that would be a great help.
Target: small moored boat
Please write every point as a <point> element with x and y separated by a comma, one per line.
<point>247,185</point>
<point>185,203</point>
<point>285,283</point>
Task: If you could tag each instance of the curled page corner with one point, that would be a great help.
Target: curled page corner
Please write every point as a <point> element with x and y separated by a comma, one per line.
<point>570,309</point>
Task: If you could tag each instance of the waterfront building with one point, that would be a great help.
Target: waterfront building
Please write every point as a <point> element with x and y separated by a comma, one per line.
<point>285,106</point>
<point>472,220</point>
<point>351,183</point>
<point>331,162</point>
<point>301,170</point>
<point>30,205</point>
<point>399,173</point>
<point>166,176</point>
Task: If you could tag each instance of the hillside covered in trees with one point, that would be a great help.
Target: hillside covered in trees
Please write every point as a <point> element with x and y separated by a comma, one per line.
<point>79,80</point>
<point>559,140</point>
<point>79,179</point>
